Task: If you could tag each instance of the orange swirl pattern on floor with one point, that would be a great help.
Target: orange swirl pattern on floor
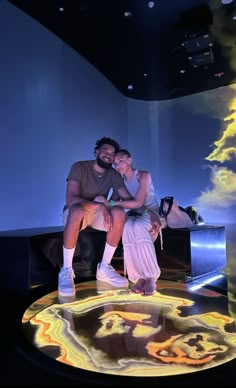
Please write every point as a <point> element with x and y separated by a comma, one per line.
<point>114,331</point>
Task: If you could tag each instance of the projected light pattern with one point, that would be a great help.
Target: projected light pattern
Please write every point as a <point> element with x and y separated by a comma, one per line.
<point>222,192</point>
<point>225,147</point>
<point>121,333</point>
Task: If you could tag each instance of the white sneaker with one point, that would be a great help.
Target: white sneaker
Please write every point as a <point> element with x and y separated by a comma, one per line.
<point>105,287</point>
<point>106,273</point>
<point>66,299</point>
<point>66,286</point>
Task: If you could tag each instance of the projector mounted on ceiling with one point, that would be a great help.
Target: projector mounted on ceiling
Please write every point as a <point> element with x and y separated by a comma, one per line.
<point>200,48</point>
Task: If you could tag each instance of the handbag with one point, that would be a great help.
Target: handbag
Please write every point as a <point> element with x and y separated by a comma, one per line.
<point>173,215</point>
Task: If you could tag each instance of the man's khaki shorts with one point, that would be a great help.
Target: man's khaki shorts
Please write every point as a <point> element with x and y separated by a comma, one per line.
<point>94,219</point>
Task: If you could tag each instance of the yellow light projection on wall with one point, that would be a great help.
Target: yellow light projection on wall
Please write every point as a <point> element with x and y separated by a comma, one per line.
<point>225,147</point>
<point>118,332</point>
<point>222,193</point>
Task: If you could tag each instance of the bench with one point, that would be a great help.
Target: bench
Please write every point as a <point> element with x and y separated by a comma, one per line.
<point>33,256</point>
<point>189,253</point>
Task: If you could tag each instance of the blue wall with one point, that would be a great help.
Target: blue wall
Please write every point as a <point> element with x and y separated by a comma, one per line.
<point>54,106</point>
<point>189,145</point>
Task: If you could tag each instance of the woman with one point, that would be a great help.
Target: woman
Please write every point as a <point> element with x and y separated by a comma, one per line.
<point>138,234</point>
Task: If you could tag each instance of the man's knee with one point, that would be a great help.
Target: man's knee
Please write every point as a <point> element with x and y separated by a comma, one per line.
<point>75,213</point>
<point>118,213</point>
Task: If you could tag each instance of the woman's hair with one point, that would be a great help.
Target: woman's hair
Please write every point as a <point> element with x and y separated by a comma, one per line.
<point>124,152</point>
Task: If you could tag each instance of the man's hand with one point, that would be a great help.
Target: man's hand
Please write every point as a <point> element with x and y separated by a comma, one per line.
<point>106,216</point>
<point>103,200</point>
<point>92,205</point>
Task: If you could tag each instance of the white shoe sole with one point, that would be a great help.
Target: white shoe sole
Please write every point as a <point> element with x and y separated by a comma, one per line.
<point>61,293</point>
<point>123,283</point>
<point>104,286</point>
<point>66,299</point>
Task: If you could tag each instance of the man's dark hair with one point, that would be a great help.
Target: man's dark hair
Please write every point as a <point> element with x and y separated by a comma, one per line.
<point>124,152</point>
<point>106,140</point>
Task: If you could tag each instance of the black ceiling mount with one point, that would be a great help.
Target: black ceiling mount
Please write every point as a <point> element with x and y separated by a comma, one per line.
<point>168,50</point>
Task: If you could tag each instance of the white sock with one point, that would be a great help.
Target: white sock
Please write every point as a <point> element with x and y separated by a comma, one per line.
<point>108,254</point>
<point>68,255</point>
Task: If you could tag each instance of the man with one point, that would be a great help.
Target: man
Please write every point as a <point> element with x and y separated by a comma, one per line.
<point>86,182</point>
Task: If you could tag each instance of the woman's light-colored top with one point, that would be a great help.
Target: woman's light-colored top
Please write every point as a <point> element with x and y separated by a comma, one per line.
<point>150,201</point>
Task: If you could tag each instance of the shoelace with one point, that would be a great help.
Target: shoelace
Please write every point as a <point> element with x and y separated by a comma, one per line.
<point>68,274</point>
<point>111,268</point>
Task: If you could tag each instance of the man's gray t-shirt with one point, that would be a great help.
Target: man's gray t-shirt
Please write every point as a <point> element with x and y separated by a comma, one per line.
<point>90,184</point>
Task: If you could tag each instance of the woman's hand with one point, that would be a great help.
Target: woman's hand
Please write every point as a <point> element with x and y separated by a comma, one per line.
<point>156,224</point>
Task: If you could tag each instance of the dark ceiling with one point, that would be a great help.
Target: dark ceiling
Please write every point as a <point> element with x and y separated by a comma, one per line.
<point>149,50</point>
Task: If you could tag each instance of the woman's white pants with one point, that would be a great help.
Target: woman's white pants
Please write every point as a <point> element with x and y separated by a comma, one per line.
<point>140,259</point>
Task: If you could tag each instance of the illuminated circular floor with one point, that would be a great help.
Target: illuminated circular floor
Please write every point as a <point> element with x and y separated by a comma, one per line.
<point>178,330</point>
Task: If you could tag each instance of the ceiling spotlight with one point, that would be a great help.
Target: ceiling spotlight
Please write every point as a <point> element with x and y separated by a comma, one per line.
<point>145,74</point>
<point>226,1</point>
<point>151,4</point>
<point>130,87</point>
<point>61,9</point>
<point>127,14</point>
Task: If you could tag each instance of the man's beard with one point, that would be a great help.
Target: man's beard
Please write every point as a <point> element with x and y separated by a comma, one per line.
<point>103,164</point>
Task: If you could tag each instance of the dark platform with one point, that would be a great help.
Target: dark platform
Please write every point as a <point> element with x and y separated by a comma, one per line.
<point>33,256</point>
<point>189,253</point>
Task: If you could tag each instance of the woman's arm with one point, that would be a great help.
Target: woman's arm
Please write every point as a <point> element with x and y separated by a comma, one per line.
<point>140,196</point>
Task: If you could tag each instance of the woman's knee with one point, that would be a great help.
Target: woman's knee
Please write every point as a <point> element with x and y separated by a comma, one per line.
<point>141,227</point>
<point>128,232</point>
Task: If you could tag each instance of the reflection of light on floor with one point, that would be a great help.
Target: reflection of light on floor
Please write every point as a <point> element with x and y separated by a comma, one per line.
<point>207,281</point>
<point>115,331</point>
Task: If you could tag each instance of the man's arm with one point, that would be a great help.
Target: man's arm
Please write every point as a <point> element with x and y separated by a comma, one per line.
<point>73,193</point>
<point>115,196</point>
<point>73,196</point>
